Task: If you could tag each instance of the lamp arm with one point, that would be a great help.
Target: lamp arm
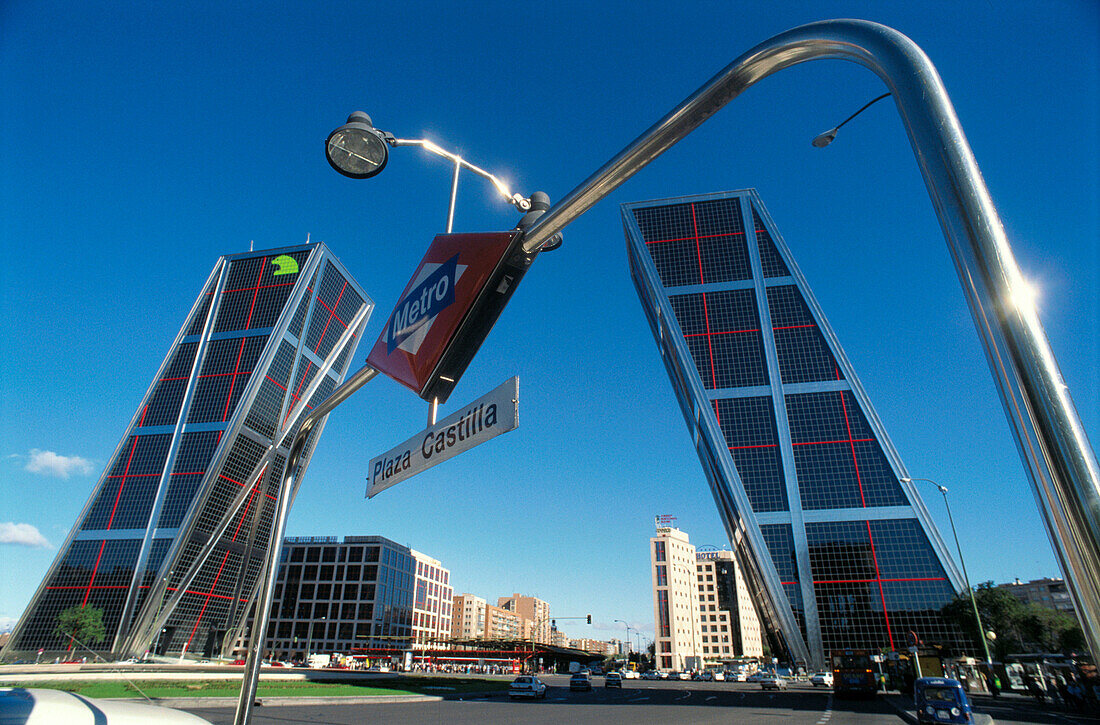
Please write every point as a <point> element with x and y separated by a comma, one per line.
<point>518,200</point>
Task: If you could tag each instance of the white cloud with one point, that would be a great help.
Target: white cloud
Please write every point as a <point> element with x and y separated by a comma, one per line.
<point>51,464</point>
<point>22,534</point>
<point>7,624</point>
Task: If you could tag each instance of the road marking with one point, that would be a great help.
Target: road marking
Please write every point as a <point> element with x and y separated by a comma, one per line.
<point>712,697</point>
<point>640,699</point>
<point>828,711</point>
<point>687,694</point>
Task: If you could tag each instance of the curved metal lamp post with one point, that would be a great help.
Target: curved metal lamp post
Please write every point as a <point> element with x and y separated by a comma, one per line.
<point>1052,442</point>
<point>1049,435</point>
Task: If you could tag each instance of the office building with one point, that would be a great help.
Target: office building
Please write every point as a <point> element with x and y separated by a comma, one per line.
<point>270,335</point>
<point>432,605</point>
<point>1046,592</point>
<point>359,595</point>
<point>836,550</point>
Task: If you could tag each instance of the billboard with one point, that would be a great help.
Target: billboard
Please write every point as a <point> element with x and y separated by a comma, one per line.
<point>446,310</point>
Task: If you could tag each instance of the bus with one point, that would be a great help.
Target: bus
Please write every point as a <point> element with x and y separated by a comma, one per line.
<point>853,673</point>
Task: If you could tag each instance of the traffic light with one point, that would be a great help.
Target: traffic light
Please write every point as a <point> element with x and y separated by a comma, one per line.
<point>590,619</point>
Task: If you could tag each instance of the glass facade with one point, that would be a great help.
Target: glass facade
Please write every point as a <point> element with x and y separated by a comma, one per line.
<point>219,413</point>
<point>839,552</point>
<point>363,595</point>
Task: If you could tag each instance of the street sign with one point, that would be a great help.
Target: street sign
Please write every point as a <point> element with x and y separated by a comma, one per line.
<point>485,418</point>
<point>446,310</point>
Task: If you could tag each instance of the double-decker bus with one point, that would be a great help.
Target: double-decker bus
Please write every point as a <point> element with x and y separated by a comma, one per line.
<point>853,673</point>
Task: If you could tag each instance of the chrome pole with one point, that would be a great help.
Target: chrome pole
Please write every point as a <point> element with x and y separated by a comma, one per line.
<point>266,594</point>
<point>1052,442</point>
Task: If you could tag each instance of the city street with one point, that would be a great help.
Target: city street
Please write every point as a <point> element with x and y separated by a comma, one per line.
<point>638,702</point>
<point>642,701</point>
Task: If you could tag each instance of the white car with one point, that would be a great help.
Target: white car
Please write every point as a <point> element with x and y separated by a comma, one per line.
<point>527,686</point>
<point>773,682</point>
<point>719,676</point>
<point>630,675</point>
<point>822,679</point>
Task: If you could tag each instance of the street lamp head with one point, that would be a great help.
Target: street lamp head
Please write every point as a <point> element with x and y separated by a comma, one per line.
<point>357,149</point>
<point>823,140</point>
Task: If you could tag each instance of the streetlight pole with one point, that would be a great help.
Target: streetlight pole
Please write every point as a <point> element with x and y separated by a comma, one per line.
<point>627,640</point>
<point>962,562</point>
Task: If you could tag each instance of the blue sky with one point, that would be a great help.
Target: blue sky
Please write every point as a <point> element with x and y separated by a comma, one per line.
<point>142,140</point>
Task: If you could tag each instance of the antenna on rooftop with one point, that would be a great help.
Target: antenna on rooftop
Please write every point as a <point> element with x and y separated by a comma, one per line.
<point>251,242</point>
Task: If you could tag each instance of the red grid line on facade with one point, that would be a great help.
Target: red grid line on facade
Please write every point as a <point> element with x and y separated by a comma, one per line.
<point>301,382</point>
<point>91,581</point>
<point>227,478</point>
<point>282,387</point>
<point>265,286</point>
<point>881,592</point>
<point>122,483</point>
<point>255,293</point>
<point>870,538</point>
<point>761,445</point>
<point>727,332</point>
<point>786,583</point>
<point>688,239</point>
<point>331,314</point>
<point>100,586</point>
<point>233,380</point>
<point>793,327</point>
<point>207,602</point>
<point>872,581</point>
<point>205,594</point>
<point>706,313</point>
<point>212,375</point>
<point>846,440</point>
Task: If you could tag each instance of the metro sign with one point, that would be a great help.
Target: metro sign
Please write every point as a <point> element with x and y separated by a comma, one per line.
<point>446,310</point>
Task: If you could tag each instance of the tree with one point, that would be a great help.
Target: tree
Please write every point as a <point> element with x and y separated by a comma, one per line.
<point>84,625</point>
<point>1019,627</point>
<point>1000,611</point>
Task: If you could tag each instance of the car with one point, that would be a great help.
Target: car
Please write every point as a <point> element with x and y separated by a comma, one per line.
<point>773,682</point>
<point>684,676</point>
<point>527,686</point>
<point>662,675</point>
<point>630,674</point>
<point>719,676</point>
<point>757,677</point>
<point>822,679</point>
<point>737,677</point>
<point>651,675</point>
<point>613,679</point>
<point>704,676</point>
<point>594,671</point>
<point>580,682</point>
<point>939,699</point>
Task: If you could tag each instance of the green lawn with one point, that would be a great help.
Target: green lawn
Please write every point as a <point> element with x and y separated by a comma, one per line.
<point>229,688</point>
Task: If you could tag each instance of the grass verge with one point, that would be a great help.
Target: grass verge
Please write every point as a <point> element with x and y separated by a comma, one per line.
<point>223,688</point>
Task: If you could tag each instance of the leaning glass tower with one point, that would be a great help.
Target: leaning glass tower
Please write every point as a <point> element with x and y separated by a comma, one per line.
<point>839,552</point>
<point>173,538</point>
